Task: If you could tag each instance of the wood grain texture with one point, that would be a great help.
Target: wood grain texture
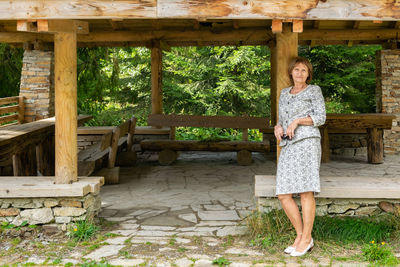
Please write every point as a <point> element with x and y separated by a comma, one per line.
<point>340,187</point>
<point>208,121</point>
<point>65,57</point>
<point>77,9</point>
<point>189,145</point>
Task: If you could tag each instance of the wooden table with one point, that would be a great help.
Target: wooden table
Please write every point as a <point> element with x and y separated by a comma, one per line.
<point>28,141</point>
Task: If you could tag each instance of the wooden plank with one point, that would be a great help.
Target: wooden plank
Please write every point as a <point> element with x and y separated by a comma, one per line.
<point>325,146</point>
<point>105,141</point>
<point>65,69</point>
<point>124,128</point>
<point>156,80</point>
<point>340,187</point>
<point>8,100</point>
<point>151,130</point>
<point>131,133</point>
<point>8,118</point>
<point>360,121</point>
<point>189,145</point>
<point>208,121</point>
<point>80,9</point>
<point>9,109</point>
<point>297,26</point>
<point>94,130</point>
<point>224,9</point>
<point>112,156</point>
<point>270,9</point>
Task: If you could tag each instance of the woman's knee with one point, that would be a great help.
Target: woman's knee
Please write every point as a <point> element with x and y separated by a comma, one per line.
<point>284,197</point>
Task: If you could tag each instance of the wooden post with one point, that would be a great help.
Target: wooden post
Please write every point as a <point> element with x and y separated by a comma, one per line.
<point>156,79</point>
<point>375,145</point>
<point>325,153</point>
<point>21,111</point>
<point>285,49</point>
<point>66,163</point>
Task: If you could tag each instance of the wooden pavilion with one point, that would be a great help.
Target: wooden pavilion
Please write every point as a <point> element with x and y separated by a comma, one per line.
<point>282,25</point>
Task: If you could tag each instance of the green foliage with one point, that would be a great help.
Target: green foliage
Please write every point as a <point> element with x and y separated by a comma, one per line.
<point>10,70</point>
<point>82,230</point>
<point>346,76</point>
<point>92,263</point>
<point>221,261</point>
<point>348,230</point>
<point>7,225</point>
<point>379,254</point>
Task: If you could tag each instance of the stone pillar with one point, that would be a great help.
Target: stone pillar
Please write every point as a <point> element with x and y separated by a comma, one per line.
<point>388,95</point>
<point>37,84</point>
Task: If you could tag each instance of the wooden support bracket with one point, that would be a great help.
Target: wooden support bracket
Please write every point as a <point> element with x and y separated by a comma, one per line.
<point>276,26</point>
<point>51,26</point>
<point>297,26</point>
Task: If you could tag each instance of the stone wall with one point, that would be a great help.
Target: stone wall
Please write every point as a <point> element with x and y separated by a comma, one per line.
<point>388,95</point>
<point>340,207</point>
<point>60,210</point>
<point>37,84</point>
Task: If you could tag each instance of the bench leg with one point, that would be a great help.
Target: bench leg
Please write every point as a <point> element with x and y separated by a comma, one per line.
<point>24,162</point>
<point>244,158</point>
<point>375,145</point>
<point>325,157</point>
<point>167,156</point>
<point>111,176</point>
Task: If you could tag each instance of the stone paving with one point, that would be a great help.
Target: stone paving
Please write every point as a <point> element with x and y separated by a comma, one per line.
<point>186,213</point>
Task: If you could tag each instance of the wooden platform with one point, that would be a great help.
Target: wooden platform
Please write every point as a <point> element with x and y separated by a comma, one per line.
<point>340,187</point>
<point>33,187</point>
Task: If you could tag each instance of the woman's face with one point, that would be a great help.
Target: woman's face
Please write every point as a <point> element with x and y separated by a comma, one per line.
<point>300,73</point>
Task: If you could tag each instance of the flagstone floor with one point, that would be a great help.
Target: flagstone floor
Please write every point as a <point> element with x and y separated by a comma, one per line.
<point>186,214</point>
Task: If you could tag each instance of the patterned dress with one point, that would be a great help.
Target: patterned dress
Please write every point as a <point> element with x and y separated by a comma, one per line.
<point>299,160</point>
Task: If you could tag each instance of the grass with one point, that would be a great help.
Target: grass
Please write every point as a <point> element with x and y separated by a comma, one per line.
<point>341,238</point>
<point>83,230</point>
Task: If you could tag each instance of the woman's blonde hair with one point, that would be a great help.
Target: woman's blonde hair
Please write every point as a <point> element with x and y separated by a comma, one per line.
<point>304,61</point>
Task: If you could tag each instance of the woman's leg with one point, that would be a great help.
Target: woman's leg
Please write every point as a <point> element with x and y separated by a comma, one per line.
<point>308,211</point>
<point>292,211</point>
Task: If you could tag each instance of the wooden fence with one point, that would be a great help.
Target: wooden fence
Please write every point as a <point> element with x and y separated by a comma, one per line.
<point>11,110</point>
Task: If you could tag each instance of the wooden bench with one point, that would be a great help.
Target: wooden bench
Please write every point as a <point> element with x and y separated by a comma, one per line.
<point>11,110</point>
<point>339,187</point>
<point>29,147</point>
<point>370,124</point>
<point>168,148</point>
<point>104,153</point>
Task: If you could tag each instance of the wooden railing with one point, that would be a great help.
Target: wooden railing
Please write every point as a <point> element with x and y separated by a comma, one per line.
<point>11,110</point>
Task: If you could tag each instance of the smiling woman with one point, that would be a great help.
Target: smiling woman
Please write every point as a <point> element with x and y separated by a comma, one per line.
<point>301,111</point>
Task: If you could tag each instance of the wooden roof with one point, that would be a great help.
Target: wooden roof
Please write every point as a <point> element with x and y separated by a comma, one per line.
<point>206,22</point>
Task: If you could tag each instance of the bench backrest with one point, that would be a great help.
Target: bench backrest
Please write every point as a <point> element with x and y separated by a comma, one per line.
<point>12,109</point>
<point>359,121</point>
<point>208,121</point>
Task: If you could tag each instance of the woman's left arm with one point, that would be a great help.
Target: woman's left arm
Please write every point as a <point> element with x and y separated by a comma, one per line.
<point>318,113</point>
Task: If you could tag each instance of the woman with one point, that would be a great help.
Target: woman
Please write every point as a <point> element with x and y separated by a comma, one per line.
<point>301,111</point>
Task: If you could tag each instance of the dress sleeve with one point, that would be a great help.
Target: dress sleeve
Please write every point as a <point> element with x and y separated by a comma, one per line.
<point>318,113</point>
<point>280,110</point>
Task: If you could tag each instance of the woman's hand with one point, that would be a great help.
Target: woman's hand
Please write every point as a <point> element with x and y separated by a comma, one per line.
<point>291,128</point>
<point>278,131</point>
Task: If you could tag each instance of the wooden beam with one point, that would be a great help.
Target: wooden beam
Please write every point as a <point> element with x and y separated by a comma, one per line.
<point>156,80</point>
<point>66,169</point>
<point>349,34</point>
<point>26,26</point>
<point>81,27</point>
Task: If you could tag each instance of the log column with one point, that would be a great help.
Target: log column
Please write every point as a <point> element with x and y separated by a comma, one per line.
<point>156,79</point>
<point>66,165</point>
<point>282,52</point>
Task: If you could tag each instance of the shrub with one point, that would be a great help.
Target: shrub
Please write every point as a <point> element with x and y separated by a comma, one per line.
<point>83,230</point>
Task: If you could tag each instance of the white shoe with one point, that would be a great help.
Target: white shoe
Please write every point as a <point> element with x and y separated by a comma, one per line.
<point>289,249</point>
<point>298,254</point>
